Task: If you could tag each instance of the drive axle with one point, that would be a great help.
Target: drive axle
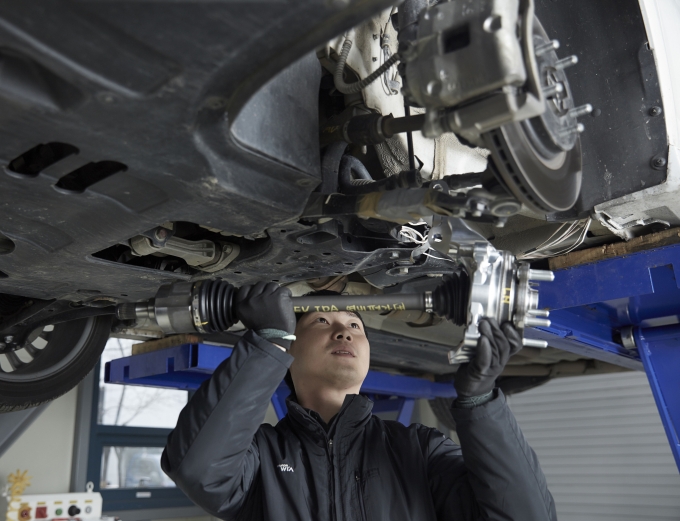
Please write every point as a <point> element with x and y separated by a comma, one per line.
<point>500,289</point>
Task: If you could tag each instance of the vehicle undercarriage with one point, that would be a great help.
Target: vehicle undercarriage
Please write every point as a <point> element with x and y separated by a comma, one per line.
<point>148,144</point>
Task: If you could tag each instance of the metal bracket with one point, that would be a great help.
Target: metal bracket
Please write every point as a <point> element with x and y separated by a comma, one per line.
<point>661,358</point>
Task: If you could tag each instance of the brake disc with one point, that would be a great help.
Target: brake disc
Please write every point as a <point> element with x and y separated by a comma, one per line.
<point>539,159</point>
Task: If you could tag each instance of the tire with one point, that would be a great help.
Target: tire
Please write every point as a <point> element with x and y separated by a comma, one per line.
<point>441,407</point>
<point>52,362</point>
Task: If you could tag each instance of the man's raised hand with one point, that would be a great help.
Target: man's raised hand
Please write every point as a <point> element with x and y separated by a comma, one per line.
<point>494,348</point>
<point>267,309</point>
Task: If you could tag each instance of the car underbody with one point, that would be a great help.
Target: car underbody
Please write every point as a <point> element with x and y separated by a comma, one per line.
<point>152,143</point>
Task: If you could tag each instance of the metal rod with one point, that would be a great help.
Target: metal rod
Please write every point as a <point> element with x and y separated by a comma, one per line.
<point>541,275</point>
<point>394,302</point>
<point>577,112</point>
<point>409,140</point>
<point>551,90</point>
<point>533,342</point>
<point>391,126</point>
<point>552,45</point>
<point>536,322</point>
<point>566,62</point>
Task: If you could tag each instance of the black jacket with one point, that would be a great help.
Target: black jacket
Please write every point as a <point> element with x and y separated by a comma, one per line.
<point>362,468</point>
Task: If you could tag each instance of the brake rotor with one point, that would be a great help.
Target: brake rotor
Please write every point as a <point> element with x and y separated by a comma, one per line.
<point>539,159</point>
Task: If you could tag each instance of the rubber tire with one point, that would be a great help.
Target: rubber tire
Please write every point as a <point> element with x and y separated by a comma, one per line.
<point>15,396</point>
<point>441,407</point>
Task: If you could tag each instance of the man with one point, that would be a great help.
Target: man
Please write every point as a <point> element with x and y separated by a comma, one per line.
<point>329,458</point>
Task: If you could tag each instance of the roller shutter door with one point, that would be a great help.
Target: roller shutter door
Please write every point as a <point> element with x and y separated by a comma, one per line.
<point>602,447</point>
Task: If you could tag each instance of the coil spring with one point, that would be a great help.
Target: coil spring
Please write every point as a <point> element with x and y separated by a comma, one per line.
<point>451,298</point>
<point>215,305</point>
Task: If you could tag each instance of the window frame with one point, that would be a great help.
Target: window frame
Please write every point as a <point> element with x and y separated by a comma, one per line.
<point>89,442</point>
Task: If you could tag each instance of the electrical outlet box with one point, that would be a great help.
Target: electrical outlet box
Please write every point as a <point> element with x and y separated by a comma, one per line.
<point>52,507</point>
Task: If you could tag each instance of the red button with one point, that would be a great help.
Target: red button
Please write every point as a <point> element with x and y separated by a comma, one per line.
<point>41,512</point>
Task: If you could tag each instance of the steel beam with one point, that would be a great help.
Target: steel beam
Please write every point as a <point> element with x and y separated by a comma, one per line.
<point>186,366</point>
<point>660,352</point>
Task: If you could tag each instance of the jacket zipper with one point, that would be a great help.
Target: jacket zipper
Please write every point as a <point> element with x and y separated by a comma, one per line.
<point>330,461</point>
<point>361,497</point>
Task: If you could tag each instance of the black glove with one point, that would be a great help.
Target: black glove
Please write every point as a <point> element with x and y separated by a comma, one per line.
<point>494,347</point>
<point>267,309</point>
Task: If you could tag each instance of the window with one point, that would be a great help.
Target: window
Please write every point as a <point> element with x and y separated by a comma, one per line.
<point>129,426</point>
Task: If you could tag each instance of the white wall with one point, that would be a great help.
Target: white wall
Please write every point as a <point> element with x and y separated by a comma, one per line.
<point>45,449</point>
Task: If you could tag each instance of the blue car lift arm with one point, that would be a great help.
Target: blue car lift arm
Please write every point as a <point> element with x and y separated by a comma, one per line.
<point>186,366</point>
<point>624,310</point>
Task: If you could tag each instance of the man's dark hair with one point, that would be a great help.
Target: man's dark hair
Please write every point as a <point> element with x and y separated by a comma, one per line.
<point>288,379</point>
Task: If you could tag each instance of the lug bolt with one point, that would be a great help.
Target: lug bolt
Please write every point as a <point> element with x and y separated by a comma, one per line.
<point>551,90</point>
<point>541,275</point>
<point>539,313</point>
<point>532,342</point>
<point>536,322</point>
<point>543,48</point>
<point>576,129</point>
<point>566,62</point>
<point>577,112</point>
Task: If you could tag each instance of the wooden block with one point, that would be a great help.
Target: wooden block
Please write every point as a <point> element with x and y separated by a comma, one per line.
<point>163,343</point>
<point>608,251</point>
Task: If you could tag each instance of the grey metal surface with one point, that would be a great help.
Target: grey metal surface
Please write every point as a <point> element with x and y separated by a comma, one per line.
<point>13,425</point>
<point>158,513</point>
<point>453,39</point>
<point>81,435</point>
<point>602,447</point>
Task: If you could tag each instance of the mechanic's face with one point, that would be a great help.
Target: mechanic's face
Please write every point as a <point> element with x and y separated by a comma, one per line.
<point>331,350</point>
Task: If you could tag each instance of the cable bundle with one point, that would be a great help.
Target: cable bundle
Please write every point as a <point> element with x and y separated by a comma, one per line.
<point>560,242</point>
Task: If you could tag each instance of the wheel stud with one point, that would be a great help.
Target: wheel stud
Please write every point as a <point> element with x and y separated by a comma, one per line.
<point>576,129</point>
<point>551,90</point>
<point>566,62</point>
<point>577,112</point>
<point>543,48</point>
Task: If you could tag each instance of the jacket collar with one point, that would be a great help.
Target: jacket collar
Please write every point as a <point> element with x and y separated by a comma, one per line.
<point>354,413</point>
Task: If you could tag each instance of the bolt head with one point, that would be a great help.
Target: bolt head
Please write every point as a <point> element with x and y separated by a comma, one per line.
<point>161,234</point>
<point>658,162</point>
<point>9,339</point>
<point>403,271</point>
<point>655,111</point>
